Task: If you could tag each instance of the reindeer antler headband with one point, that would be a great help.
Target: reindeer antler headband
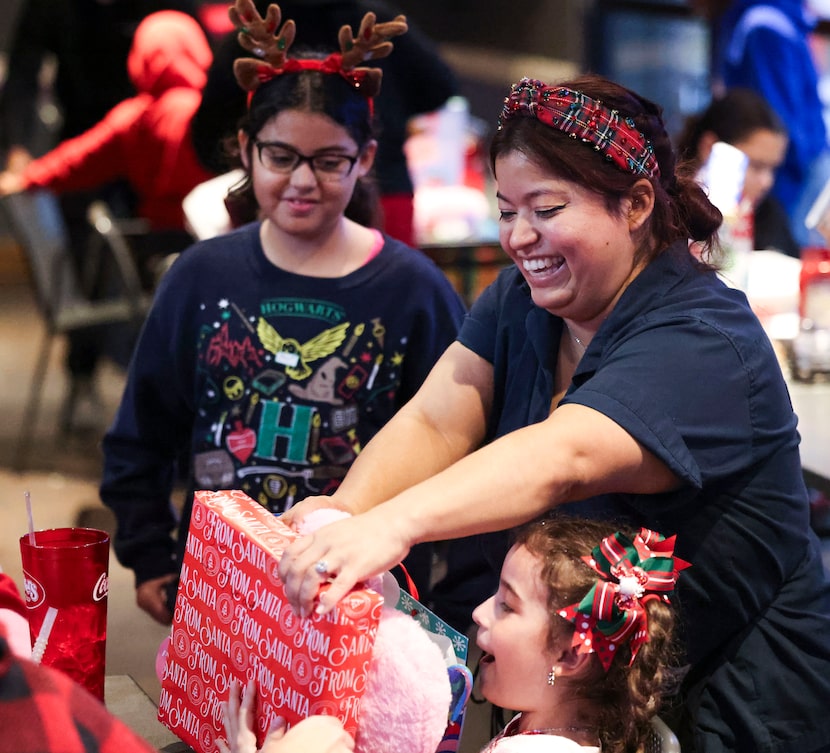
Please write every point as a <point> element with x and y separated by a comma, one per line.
<point>259,36</point>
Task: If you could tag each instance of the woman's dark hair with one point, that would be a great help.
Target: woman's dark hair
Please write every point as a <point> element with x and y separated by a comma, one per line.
<point>317,92</point>
<point>732,117</point>
<point>626,697</point>
<point>681,208</point>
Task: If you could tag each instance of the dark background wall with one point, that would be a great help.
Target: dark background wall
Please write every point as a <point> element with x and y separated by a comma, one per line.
<point>660,48</point>
<point>532,27</point>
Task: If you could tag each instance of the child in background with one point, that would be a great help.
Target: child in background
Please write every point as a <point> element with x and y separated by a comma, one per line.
<point>274,353</point>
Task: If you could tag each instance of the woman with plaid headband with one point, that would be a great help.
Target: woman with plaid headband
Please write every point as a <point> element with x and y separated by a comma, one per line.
<point>610,371</point>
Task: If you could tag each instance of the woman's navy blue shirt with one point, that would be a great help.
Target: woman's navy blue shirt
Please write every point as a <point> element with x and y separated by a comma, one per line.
<point>685,367</point>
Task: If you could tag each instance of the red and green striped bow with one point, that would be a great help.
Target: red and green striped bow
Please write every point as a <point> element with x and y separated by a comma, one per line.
<point>631,572</point>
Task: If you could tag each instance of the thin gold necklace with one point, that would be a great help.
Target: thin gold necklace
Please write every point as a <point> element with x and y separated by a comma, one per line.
<point>577,340</point>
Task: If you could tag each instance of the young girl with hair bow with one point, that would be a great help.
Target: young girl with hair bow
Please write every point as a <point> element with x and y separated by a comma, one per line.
<point>579,637</point>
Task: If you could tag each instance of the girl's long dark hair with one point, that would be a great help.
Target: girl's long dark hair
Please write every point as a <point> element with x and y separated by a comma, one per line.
<point>308,91</point>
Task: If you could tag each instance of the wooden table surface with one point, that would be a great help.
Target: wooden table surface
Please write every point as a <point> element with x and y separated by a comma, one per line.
<point>126,700</point>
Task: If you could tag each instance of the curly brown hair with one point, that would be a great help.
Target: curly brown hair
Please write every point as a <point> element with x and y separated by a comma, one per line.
<point>626,698</point>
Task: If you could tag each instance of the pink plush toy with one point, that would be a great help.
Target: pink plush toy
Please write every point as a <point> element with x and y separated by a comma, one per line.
<point>408,696</point>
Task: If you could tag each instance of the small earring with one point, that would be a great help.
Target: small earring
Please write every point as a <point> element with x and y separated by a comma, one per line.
<point>552,677</point>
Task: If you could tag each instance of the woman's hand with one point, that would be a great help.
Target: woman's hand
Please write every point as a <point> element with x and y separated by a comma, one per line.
<point>343,553</point>
<point>293,516</point>
<point>316,734</point>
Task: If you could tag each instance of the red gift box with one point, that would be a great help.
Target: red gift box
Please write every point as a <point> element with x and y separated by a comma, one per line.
<point>232,621</point>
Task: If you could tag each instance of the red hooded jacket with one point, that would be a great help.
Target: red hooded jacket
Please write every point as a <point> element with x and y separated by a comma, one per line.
<point>145,139</point>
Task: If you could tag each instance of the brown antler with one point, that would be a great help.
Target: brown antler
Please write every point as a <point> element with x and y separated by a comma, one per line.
<point>371,43</point>
<point>257,35</point>
<point>372,40</point>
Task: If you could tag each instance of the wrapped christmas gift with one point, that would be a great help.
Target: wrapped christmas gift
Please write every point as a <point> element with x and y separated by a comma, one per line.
<point>232,621</point>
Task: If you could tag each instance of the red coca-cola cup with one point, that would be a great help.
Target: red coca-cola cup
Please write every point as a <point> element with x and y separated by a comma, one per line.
<point>65,573</point>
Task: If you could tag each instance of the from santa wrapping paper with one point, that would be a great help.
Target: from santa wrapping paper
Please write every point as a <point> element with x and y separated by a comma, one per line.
<point>232,621</point>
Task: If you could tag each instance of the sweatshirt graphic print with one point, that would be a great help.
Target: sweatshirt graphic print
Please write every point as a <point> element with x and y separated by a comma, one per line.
<point>293,389</point>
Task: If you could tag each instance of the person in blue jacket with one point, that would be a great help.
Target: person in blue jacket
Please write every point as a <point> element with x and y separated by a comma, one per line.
<point>274,353</point>
<point>764,45</point>
<point>609,372</point>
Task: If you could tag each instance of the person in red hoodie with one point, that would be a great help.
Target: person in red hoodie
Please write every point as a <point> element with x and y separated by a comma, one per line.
<point>144,139</point>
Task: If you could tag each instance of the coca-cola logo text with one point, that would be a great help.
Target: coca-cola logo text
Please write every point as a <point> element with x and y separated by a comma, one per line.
<point>101,588</point>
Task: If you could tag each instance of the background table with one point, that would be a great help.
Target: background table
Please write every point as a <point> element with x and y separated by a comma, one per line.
<point>126,700</point>
<point>773,291</point>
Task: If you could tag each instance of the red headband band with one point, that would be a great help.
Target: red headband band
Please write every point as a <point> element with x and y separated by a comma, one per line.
<point>333,64</point>
<point>581,117</point>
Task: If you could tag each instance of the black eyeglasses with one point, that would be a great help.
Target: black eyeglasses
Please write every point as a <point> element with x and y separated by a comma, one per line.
<point>282,159</point>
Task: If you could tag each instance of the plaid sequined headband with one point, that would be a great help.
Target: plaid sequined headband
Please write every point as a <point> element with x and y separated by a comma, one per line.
<point>259,36</point>
<point>581,117</point>
<point>631,573</point>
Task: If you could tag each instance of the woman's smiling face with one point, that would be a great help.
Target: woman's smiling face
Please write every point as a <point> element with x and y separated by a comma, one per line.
<point>576,256</point>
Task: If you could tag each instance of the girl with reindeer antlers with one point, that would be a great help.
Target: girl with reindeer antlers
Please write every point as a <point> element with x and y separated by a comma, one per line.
<point>274,353</point>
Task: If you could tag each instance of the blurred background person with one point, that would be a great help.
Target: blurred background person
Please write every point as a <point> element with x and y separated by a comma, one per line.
<point>745,120</point>
<point>764,45</point>
<point>416,80</point>
<point>144,141</point>
<point>66,68</point>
